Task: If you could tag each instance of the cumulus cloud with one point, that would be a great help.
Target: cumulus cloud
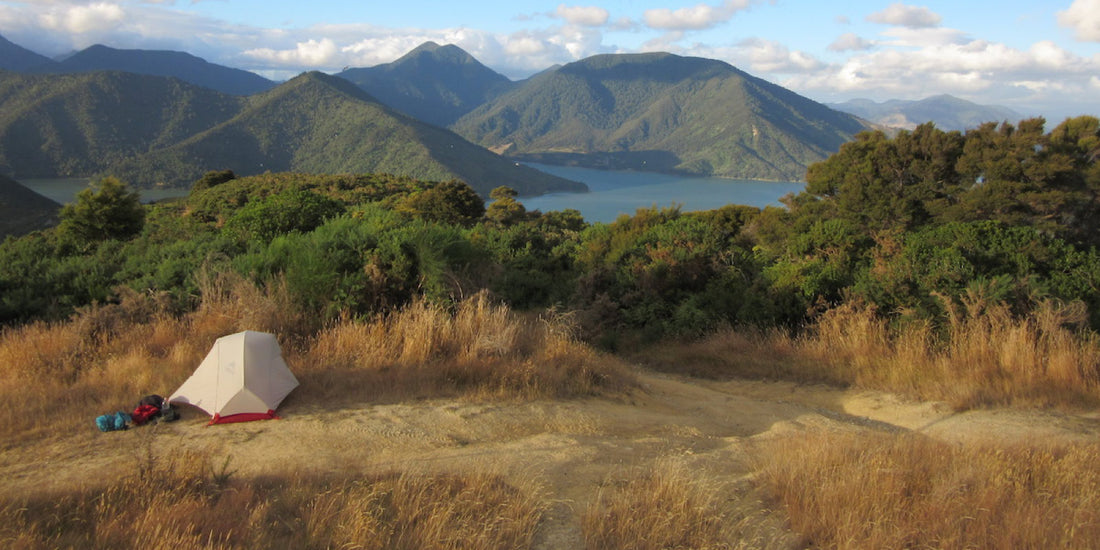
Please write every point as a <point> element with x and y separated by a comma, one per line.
<point>587,16</point>
<point>99,16</point>
<point>700,16</point>
<point>1083,16</point>
<point>1042,77</point>
<point>850,41</point>
<point>315,53</point>
<point>914,17</point>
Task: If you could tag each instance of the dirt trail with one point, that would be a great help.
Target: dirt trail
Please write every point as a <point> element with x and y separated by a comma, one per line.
<point>569,448</point>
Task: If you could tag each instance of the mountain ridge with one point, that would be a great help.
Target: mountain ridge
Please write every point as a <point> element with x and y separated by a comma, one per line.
<point>661,112</point>
<point>436,84</point>
<point>182,65</point>
<point>947,112</point>
<point>323,124</point>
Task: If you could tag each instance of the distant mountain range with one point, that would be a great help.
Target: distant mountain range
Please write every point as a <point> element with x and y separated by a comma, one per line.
<point>945,111</point>
<point>166,117</point>
<point>152,130</point>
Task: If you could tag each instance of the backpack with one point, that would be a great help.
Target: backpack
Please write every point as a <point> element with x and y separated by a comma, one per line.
<point>112,422</point>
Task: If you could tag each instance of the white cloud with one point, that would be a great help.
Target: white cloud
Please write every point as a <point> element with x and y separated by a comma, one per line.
<point>923,37</point>
<point>588,16</point>
<point>850,41</point>
<point>914,17</point>
<point>79,19</point>
<point>700,16</point>
<point>314,53</point>
<point>1083,16</point>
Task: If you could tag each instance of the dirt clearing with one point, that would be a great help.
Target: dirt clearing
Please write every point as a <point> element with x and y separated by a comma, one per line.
<point>569,450</point>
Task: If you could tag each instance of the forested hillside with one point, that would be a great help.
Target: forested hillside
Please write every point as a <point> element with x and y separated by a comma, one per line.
<point>81,124</point>
<point>917,226</point>
<point>23,210</point>
<point>661,112</point>
<point>433,83</point>
<point>158,131</point>
<point>184,66</point>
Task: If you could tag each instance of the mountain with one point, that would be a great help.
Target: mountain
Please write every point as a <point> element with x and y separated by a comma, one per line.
<point>436,84</point>
<point>23,210</point>
<point>660,112</point>
<point>183,66</point>
<point>17,58</point>
<point>80,124</point>
<point>323,124</point>
<point>945,111</point>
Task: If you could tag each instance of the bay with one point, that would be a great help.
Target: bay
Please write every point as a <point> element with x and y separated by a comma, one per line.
<point>64,190</point>
<point>611,192</point>
<point>614,192</point>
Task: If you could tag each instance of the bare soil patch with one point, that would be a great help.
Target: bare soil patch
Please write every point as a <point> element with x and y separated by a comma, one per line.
<point>572,449</point>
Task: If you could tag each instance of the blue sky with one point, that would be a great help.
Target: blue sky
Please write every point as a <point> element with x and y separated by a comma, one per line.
<point>1037,57</point>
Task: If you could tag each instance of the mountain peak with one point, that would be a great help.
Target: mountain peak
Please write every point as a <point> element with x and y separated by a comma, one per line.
<point>447,54</point>
<point>434,83</point>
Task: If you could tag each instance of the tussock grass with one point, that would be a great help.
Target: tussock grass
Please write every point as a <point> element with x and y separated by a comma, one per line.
<point>983,355</point>
<point>181,501</point>
<point>673,506</point>
<point>887,491</point>
<point>986,356</point>
<point>108,356</point>
<point>479,350</point>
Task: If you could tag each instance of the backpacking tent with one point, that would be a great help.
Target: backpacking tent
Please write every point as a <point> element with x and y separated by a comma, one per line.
<point>243,378</point>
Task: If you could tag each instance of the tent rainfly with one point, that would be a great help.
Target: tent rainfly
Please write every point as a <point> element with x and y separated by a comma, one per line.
<point>243,378</point>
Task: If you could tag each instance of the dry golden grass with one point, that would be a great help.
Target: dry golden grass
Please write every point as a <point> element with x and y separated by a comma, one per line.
<point>673,506</point>
<point>192,501</point>
<point>108,356</point>
<point>888,491</point>
<point>984,356</point>
<point>987,357</point>
<point>479,350</point>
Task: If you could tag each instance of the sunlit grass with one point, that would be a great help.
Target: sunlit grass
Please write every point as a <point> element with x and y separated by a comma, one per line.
<point>982,356</point>
<point>846,490</point>
<point>189,501</point>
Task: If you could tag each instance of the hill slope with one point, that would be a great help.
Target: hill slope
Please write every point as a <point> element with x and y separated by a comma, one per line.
<point>661,112</point>
<point>23,210</point>
<point>945,111</point>
<point>180,65</point>
<point>79,124</point>
<point>323,124</point>
<point>433,83</point>
<point>14,57</point>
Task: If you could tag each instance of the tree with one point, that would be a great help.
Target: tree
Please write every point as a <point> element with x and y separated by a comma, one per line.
<point>505,209</point>
<point>212,179</point>
<point>105,210</point>
<point>452,202</point>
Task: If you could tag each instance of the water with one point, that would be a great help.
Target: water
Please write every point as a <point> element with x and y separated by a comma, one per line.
<point>64,190</point>
<point>611,192</point>
<point>620,192</point>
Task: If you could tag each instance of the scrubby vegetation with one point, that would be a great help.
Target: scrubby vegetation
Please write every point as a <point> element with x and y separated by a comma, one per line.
<point>939,265</point>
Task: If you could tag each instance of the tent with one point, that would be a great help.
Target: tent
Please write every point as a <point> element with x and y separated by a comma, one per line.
<point>242,378</point>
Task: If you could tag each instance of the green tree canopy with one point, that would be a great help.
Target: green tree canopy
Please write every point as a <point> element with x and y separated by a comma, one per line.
<point>105,210</point>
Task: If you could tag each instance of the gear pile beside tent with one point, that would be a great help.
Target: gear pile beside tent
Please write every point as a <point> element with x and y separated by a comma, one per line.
<point>242,378</point>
